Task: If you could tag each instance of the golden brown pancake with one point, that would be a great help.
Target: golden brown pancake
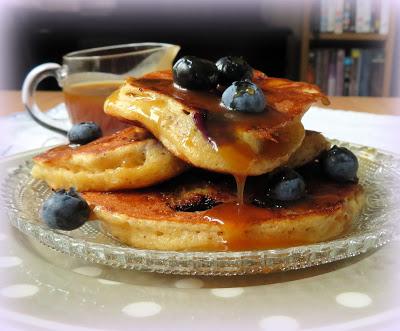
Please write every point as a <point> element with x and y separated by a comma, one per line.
<point>195,127</point>
<point>197,211</point>
<point>130,158</point>
<point>313,145</point>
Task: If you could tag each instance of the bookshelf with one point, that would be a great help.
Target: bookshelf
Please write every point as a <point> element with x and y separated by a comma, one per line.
<point>337,40</point>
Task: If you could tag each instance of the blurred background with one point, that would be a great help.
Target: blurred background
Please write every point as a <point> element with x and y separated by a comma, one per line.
<point>348,47</point>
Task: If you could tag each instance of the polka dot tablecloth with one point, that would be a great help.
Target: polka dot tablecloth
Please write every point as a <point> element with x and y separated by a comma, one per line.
<point>43,290</point>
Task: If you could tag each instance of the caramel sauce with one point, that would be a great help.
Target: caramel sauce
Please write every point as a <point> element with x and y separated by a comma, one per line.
<point>240,139</point>
<point>85,101</point>
<point>237,220</point>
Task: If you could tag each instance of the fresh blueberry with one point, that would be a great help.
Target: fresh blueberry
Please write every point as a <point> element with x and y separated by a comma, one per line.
<point>244,96</point>
<point>340,164</point>
<point>194,73</point>
<point>83,133</point>
<point>285,185</point>
<point>65,210</point>
<point>233,68</point>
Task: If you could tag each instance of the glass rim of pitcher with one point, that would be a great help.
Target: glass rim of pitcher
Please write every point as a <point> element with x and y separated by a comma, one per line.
<point>75,55</point>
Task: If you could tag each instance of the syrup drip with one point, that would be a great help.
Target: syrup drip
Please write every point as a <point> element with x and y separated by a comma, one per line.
<point>240,184</point>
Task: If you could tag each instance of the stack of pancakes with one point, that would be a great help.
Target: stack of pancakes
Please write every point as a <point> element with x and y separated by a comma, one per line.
<point>167,182</point>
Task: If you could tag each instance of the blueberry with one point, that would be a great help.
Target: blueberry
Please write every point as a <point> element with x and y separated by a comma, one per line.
<point>83,133</point>
<point>285,184</point>
<point>244,96</point>
<point>233,68</point>
<point>65,210</point>
<point>194,73</point>
<point>340,164</point>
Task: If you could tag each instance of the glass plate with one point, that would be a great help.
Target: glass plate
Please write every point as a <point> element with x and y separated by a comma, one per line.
<point>379,174</point>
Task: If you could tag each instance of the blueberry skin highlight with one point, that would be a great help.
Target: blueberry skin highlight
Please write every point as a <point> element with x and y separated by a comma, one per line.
<point>65,210</point>
<point>340,164</point>
<point>233,68</point>
<point>245,97</point>
<point>83,133</point>
<point>194,73</point>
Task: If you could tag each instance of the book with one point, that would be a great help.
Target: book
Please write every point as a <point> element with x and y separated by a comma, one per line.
<point>375,15</point>
<point>340,55</point>
<point>315,19</point>
<point>347,65</point>
<point>331,89</point>
<point>318,68</point>
<point>363,16</point>
<point>331,16</point>
<point>349,15</point>
<point>355,72</point>
<point>324,69</point>
<point>324,16</point>
<point>384,17</point>
<point>376,76</point>
<point>310,75</point>
<point>365,72</point>
<point>339,7</point>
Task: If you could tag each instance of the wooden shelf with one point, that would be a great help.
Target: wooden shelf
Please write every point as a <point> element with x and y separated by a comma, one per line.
<point>349,36</point>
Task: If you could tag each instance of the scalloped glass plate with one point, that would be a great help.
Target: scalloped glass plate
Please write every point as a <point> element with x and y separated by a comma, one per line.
<point>379,174</point>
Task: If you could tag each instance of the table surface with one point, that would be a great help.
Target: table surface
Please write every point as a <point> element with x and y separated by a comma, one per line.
<point>11,102</point>
<point>41,289</point>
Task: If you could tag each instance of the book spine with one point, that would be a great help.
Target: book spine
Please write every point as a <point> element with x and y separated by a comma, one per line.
<point>331,16</point>
<point>346,15</point>
<point>332,72</point>
<point>352,16</point>
<point>325,69</point>
<point>324,16</point>
<point>310,75</point>
<point>375,16</point>
<point>376,78</point>
<point>318,67</point>
<point>355,72</point>
<point>363,16</point>
<point>384,17</point>
<point>365,72</point>
<point>339,72</point>
<point>315,16</point>
<point>339,7</point>
<point>347,64</point>
<point>359,68</point>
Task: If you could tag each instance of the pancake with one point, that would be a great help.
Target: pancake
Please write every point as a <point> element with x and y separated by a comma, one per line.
<point>313,145</point>
<point>197,129</point>
<point>197,212</point>
<point>130,158</point>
